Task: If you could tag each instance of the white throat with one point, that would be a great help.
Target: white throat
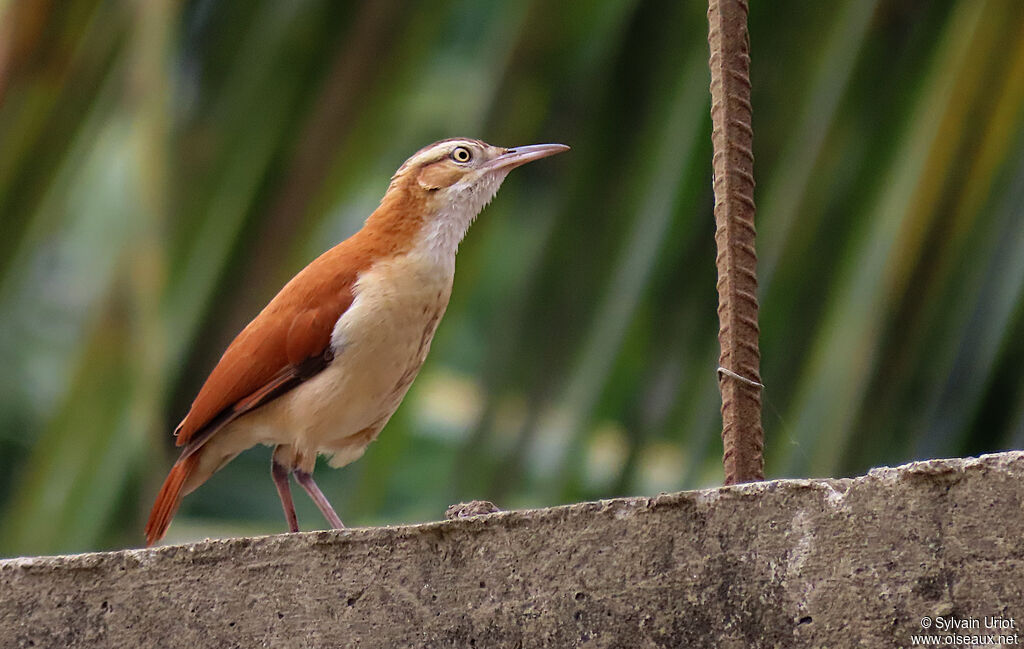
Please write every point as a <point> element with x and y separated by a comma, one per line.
<point>462,204</point>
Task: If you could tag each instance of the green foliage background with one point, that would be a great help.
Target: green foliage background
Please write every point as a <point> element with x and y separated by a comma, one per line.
<point>165,167</point>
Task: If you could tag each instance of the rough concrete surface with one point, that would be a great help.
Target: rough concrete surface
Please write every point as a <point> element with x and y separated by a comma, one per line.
<point>787,563</point>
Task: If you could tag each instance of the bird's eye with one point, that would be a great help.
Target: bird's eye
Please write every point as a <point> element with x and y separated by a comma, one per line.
<point>461,154</point>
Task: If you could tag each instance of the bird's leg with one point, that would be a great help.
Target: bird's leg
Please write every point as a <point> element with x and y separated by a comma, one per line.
<point>280,475</point>
<point>306,480</point>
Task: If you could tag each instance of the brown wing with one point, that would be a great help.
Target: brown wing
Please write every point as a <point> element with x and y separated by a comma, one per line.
<point>289,340</point>
<point>286,344</point>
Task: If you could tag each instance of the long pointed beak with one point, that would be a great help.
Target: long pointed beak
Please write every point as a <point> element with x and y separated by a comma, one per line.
<point>520,155</point>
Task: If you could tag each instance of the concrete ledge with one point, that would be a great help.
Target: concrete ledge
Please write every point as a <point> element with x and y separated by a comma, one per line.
<point>788,563</point>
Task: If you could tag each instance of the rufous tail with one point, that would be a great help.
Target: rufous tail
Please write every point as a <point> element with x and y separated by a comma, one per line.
<point>169,498</point>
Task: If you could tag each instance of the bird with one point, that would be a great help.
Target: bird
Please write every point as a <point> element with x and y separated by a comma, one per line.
<point>323,367</point>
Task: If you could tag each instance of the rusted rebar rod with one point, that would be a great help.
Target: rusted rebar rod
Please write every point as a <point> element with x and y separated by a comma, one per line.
<point>739,378</point>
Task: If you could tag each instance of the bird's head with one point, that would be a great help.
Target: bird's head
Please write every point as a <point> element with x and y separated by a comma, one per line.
<point>435,195</point>
<point>458,165</point>
<point>454,179</point>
